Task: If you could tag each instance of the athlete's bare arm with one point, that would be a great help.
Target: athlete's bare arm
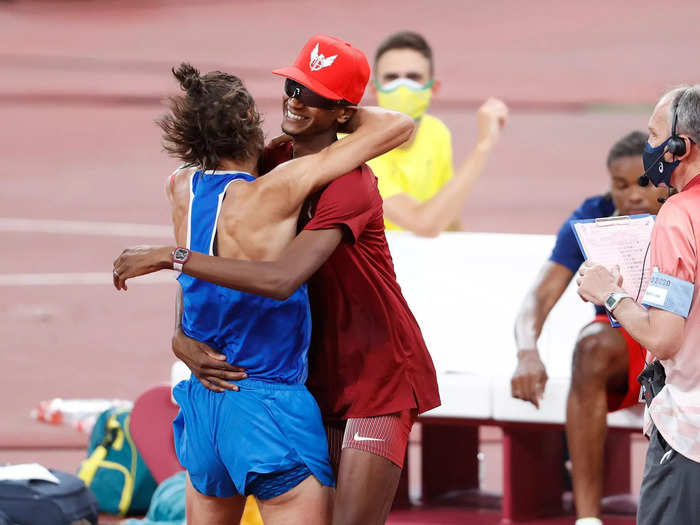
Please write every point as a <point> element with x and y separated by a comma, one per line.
<point>442,210</point>
<point>258,219</point>
<point>530,376</point>
<point>372,132</point>
<point>277,279</point>
<point>177,188</point>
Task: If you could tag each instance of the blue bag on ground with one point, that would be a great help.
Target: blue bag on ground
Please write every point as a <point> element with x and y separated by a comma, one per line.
<point>114,470</point>
<point>39,502</point>
<point>168,503</point>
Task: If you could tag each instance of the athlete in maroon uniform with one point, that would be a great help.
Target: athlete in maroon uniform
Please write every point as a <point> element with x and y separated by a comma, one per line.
<point>369,367</point>
<point>368,354</point>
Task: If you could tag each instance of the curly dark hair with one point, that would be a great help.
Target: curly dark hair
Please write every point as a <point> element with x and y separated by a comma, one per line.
<point>216,118</point>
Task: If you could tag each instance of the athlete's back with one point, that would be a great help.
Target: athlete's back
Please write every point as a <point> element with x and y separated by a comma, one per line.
<point>269,338</point>
<point>243,229</point>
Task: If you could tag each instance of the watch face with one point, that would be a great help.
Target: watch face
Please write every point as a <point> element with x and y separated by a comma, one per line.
<point>610,301</point>
<point>180,254</point>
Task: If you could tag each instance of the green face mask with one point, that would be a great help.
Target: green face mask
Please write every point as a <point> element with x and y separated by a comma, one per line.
<point>406,96</point>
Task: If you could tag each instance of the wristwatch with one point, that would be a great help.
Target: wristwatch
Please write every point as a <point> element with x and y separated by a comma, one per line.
<point>180,257</point>
<point>614,299</point>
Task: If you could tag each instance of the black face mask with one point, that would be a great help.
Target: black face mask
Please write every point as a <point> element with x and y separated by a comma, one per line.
<point>655,167</point>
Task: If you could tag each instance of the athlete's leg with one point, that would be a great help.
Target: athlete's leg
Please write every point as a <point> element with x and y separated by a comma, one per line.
<point>335,432</point>
<point>374,449</point>
<point>600,366</point>
<point>210,510</point>
<point>366,488</point>
<point>309,503</point>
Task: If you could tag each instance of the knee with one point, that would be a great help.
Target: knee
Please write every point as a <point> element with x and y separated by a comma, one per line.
<point>594,356</point>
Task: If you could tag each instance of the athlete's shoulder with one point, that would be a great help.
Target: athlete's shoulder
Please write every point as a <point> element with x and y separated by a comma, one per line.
<point>179,181</point>
<point>360,179</point>
<point>358,185</point>
<point>594,207</point>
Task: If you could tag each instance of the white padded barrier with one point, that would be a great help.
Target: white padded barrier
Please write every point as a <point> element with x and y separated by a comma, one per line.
<point>465,290</point>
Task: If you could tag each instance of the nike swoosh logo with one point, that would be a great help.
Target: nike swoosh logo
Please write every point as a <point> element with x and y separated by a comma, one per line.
<point>358,437</point>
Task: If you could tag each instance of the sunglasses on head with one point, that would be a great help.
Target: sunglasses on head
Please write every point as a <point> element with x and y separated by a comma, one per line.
<point>307,97</point>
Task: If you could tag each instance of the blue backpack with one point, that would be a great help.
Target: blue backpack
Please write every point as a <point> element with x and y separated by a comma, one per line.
<point>114,470</point>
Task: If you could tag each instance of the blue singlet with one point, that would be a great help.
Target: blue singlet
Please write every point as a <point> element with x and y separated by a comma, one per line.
<point>268,437</point>
<point>268,338</point>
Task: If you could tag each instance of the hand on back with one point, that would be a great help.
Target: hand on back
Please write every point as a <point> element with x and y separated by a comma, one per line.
<point>207,365</point>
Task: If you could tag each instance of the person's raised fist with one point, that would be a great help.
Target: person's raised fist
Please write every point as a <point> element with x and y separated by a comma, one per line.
<point>491,117</point>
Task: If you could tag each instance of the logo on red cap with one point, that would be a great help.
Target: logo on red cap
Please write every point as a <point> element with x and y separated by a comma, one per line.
<point>346,80</point>
<point>317,61</point>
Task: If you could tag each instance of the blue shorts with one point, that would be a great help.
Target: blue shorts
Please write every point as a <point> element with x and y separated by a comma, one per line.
<point>262,440</point>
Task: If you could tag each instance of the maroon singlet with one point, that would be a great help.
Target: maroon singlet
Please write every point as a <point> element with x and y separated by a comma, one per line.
<point>367,354</point>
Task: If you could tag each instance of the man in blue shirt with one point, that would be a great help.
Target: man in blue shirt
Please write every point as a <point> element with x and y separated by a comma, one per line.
<point>606,360</point>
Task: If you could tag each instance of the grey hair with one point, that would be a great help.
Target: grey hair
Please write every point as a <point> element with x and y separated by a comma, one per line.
<point>685,100</point>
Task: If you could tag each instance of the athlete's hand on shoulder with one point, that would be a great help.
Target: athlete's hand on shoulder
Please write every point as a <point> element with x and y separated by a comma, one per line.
<point>279,140</point>
<point>529,378</point>
<point>207,365</point>
<point>140,260</point>
<point>491,118</point>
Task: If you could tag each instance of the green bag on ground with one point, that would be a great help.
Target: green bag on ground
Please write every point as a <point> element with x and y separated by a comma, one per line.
<point>114,470</point>
<point>168,503</point>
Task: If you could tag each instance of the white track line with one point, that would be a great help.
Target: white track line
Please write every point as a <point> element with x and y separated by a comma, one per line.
<point>119,229</point>
<point>47,279</point>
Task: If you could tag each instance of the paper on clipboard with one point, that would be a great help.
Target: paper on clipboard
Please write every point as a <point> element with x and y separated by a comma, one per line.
<point>622,241</point>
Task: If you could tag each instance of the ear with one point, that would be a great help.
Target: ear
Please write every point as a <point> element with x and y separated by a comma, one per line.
<point>436,86</point>
<point>373,88</point>
<point>345,114</point>
<point>688,144</point>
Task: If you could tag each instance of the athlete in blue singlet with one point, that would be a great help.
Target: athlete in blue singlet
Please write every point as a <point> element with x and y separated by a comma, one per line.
<point>266,438</point>
<point>272,339</point>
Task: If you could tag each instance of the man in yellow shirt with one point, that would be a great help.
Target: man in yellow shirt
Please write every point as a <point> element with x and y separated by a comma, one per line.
<point>420,191</point>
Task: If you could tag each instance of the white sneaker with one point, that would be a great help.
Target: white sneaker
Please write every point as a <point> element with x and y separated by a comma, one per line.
<point>589,521</point>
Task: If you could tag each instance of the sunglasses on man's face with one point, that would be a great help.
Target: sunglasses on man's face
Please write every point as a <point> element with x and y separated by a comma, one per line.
<point>307,97</point>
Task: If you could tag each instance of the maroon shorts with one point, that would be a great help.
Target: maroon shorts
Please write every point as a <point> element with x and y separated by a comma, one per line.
<point>385,436</point>
<point>636,354</point>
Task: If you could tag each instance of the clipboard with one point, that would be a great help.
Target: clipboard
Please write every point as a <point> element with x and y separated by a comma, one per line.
<point>623,240</point>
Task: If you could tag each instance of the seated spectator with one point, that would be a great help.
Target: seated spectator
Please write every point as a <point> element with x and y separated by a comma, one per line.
<point>606,360</point>
<point>416,180</point>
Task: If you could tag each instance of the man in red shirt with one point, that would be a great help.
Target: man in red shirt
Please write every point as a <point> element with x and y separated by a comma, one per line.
<point>370,370</point>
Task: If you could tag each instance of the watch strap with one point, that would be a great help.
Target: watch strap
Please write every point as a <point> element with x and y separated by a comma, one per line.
<point>616,297</point>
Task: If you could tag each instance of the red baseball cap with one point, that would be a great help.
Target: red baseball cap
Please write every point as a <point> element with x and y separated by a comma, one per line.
<point>330,67</point>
